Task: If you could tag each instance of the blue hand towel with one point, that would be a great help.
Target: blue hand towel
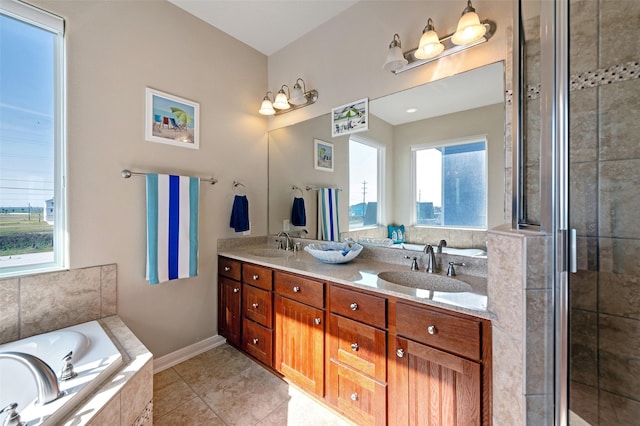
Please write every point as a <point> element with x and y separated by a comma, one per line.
<point>240,214</point>
<point>298,214</point>
<point>172,227</point>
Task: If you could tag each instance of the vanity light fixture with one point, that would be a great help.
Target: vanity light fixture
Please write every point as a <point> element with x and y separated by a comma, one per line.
<point>429,46</point>
<point>299,97</point>
<point>470,32</point>
<point>469,27</point>
<point>282,101</point>
<point>395,58</point>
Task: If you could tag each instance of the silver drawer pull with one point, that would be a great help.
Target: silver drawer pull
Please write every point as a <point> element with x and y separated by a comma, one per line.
<point>296,289</point>
<point>400,353</point>
<point>236,290</point>
<point>255,341</point>
<point>255,277</point>
<point>354,306</point>
<point>354,397</point>
<point>317,321</point>
<point>255,306</point>
<point>432,329</point>
<point>354,346</point>
<point>227,268</point>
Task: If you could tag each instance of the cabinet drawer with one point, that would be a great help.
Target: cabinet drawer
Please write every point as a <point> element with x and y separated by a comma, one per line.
<point>358,306</point>
<point>257,305</point>
<point>258,276</point>
<point>448,332</point>
<point>360,398</point>
<point>358,346</point>
<point>258,341</point>
<point>303,290</point>
<point>229,268</point>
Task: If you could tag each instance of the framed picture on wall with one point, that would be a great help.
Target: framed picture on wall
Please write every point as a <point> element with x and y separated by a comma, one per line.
<point>172,120</point>
<point>322,155</point>
<point>350,118</point>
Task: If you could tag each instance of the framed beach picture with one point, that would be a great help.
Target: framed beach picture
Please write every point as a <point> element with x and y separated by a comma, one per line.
<point>172,120</point>
<point>322,155</point>
<point>350,118</point>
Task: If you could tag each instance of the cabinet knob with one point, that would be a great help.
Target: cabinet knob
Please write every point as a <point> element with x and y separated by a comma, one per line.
<point>354,306</point>
<point>255,277</point>
<point>400,353</point>
<point>255,306</point>
<point>296,289</point>
<point>317,321</point>
<point>354,397</point>
<point>227,268</point>
<point>255,341</point>
<point>236,290</point>
<point>354,346</point>
<point>432,329</point>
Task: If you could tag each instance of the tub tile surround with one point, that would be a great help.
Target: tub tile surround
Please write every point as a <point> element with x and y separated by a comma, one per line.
<point>523,326</point>
<point>45,302</point>
<point>40,303</point>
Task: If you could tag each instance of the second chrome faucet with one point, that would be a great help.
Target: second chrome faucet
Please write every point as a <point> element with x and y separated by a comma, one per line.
<point>431,259</point>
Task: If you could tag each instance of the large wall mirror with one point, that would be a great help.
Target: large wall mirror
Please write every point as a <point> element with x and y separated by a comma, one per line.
<point>463,107</point>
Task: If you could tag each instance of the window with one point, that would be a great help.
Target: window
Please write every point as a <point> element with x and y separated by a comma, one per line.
<point>365,183</point>
<point>451,184</point>
<point>32,199</point>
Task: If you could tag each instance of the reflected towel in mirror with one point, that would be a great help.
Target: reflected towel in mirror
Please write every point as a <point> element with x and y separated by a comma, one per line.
<point>298,213</point>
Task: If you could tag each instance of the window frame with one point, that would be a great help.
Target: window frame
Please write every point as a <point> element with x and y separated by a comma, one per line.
<point>446,143</point>
<point>46,21</point>
<point>380,175</point>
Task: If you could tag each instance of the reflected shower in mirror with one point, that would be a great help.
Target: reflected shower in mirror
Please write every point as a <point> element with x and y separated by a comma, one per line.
<point>458,108</point>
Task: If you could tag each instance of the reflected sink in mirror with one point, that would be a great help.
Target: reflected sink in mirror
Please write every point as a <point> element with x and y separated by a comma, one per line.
<point>425,281</point>
<point>267,252</point>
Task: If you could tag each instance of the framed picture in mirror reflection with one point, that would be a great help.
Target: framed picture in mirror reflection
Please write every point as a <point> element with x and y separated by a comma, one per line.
<point>350,118</point>
<point>322,155</point>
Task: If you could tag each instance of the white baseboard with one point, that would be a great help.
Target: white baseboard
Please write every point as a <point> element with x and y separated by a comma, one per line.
<point>169,360</point>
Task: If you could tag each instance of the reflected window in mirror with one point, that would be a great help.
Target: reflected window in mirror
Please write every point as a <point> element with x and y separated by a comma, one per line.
<point>366,159</point>
<point>451,184</point>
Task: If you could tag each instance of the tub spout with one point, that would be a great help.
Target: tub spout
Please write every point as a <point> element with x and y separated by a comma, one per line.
<point>46,380</point>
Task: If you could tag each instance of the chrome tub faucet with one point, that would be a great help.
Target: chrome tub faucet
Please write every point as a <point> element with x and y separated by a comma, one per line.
<point>431,259</point>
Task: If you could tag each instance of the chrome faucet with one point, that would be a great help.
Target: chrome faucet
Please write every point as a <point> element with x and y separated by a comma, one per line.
<point>287,239</point>
<point>414,262</point>
<point>431,259</point>
<point>46,380</point>
<point>442,243</point>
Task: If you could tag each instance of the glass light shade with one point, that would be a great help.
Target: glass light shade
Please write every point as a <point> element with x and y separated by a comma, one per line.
<point>429,46</point>
<point>395,59</point>
<point>281,101</point>
<point>297,96</point>
<point>267,107</point>
<point>469,29</point>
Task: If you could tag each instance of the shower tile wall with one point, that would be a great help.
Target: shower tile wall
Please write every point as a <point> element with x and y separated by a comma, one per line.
<point>605,201</point>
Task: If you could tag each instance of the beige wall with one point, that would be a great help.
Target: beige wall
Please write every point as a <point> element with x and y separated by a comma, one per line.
<point>114,50</point>
<point>343,58</point>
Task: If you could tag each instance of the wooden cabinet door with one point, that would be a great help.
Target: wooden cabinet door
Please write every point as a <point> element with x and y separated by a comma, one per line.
<point>229,310</point>
<point>299,344</point>
<point>431,387</point>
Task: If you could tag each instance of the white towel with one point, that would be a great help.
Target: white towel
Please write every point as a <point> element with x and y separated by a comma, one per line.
<point>172,227</point>
<point>328,226</point>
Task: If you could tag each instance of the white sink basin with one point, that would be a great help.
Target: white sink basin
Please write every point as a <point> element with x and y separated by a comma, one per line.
<point>267,252</point>
<point>425,281</point>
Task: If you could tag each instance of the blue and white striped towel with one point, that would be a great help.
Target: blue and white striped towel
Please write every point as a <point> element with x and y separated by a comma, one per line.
<point>172,227</point>
<point>328,226</point>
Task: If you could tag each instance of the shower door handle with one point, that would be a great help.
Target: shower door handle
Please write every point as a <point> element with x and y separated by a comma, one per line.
<point>573,251</point>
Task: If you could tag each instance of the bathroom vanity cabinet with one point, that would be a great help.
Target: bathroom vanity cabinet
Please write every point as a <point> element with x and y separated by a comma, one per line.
<point>375,358</point>
<point>229,300</point>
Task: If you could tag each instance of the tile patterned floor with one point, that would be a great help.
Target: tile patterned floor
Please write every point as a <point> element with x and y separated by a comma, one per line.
<point>225,387</point>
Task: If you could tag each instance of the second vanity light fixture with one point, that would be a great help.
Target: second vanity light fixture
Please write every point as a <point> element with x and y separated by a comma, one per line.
<point>284,102</point>
<point>470,32</point>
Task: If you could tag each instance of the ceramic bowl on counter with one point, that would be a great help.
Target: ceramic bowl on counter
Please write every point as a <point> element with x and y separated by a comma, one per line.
<point>331,252</point>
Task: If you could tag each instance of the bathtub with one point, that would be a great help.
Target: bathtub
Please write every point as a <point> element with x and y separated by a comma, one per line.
<point>471,252</point>
<point>95,358</point>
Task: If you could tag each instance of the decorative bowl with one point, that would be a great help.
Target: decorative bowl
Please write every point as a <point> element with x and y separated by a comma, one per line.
<point>334,252</point>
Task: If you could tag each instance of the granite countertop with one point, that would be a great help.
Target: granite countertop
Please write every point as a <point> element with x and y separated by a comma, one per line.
<point>362,273</point>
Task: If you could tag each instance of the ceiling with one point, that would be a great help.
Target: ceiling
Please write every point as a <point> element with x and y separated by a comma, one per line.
<point>265,25</point>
